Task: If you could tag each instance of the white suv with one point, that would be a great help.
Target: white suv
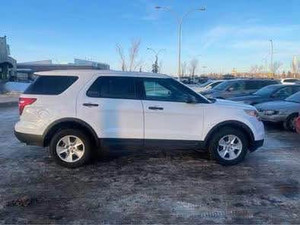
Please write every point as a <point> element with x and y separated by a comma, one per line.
<point>76,112</point>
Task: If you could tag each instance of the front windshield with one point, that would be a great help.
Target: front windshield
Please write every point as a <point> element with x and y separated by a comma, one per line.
<point>224,85</point>
<point>266,91</point>
<point>294,98</point>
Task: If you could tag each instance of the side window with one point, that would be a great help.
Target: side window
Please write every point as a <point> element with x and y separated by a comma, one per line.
<point>296,89</point>
<point>253,85</point>
<point>113,87</point>
<point>237,86</point>
<point>165,90</point>
<point>283,92</point>
<point>50,85</point>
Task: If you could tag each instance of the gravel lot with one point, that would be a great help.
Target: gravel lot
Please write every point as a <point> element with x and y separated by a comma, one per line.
<point>149,187</point>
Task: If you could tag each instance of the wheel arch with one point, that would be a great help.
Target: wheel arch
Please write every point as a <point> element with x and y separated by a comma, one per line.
<point>233,124</point>
<point>69,123</point>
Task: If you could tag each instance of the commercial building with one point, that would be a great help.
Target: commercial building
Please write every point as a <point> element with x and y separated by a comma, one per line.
<point>7,63</point>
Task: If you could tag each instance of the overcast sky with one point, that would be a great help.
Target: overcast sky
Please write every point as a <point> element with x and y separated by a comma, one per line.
<point>229,34</point>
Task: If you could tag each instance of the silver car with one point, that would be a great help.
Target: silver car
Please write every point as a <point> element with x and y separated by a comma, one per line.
<point>285,111</point>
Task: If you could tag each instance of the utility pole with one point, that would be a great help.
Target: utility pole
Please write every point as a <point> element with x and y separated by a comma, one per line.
<point>180,20</point>
<point>272,53</point>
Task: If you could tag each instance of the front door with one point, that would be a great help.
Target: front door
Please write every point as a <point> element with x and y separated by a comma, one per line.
<point>168,116</point>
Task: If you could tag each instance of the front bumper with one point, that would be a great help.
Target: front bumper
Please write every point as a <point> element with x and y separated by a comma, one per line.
<point>255,145</point>
<point>30,139</point>
<point>272,118</point>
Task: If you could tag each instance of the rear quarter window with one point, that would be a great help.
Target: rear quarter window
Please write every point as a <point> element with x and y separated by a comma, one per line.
<point>50,85</point>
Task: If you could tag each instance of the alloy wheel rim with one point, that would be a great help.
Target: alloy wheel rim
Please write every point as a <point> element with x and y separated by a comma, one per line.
<point>70,148</point>
<point>230,147</point>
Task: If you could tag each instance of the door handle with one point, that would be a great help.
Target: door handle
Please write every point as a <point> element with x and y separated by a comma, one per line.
<point>155,108</point>
<point>90,104</point>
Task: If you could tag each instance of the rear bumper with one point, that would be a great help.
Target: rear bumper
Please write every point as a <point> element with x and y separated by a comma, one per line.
<point>30,139</point>
<point>256,144</point>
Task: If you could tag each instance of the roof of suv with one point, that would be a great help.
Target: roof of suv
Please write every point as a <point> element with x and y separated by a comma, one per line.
<point>90,73</point>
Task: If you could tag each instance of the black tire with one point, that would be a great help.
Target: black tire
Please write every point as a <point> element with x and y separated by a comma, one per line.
<point>214,146</point>
<point>86,156</point>
<point>289,123</point>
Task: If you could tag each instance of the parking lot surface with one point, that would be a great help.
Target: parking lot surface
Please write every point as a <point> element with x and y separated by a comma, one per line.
<point>149,186</point>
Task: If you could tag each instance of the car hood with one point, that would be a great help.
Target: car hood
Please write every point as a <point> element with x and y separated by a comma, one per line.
<point>233,104</point>
<point>275,105</point>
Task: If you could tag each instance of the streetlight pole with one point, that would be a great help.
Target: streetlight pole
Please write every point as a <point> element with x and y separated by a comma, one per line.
<point>156,58</point>
<point>180,20</point>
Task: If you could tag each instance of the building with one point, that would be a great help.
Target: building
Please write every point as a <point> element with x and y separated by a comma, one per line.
<point>7,63</point>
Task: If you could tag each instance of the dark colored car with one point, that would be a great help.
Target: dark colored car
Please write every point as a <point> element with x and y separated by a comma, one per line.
<point>238,87</point>
<point>268,93</point>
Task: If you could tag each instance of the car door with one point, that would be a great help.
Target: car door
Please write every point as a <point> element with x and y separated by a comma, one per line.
<point>110,105</point>
<point>167,115</point>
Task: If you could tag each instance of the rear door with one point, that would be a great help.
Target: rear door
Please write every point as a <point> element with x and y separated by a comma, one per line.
<point>110,105</point>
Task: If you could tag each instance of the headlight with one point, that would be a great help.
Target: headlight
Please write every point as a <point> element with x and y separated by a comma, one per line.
<point>252,112</point>
<point>270,112</point>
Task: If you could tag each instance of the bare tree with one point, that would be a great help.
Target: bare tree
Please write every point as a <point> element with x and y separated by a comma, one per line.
<point>183,68</point>
<point>120,51</point>
<point>276,65</point>
<point>193,66</point>
<point>254,69</point>
<point>133,54</point>
<point>133,63</point>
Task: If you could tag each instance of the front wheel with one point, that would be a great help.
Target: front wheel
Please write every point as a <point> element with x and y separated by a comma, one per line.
<point>290,123</point>
<point>228,146</point>
<point>70,148</point>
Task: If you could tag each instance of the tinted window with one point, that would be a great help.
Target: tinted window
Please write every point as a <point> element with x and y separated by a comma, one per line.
<point>294,98</point>
<point>222,86</point>
<point>215,84</point>
<point>237,86</point>
<point>50,85</point>
<point>264,83</point>
<point>167,90</point>
<point>290,80</point>
<point>253,85</point>
<point>266,91</point>
<point>284,92</point>
<point>296,89</point>
<point>113,87</point>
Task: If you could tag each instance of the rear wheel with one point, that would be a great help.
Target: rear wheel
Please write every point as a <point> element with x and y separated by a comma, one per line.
<point>228,146</point>
<point>70,148</point>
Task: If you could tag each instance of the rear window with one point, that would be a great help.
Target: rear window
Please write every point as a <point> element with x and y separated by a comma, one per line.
<point>50,85</point>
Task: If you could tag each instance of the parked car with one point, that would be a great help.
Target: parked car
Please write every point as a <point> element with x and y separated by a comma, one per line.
<point>285,111</point>
<point>269,93</point>
<point>207,86</point>
<point>75,112</point>
<point>290,81</point>
<point>297,124</point>
<point>238,87</point>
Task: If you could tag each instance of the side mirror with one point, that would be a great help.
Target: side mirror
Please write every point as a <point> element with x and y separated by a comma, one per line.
<point>191,100</point>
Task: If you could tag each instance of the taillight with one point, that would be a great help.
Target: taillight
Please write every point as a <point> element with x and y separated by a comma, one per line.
<point>24,102</point>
